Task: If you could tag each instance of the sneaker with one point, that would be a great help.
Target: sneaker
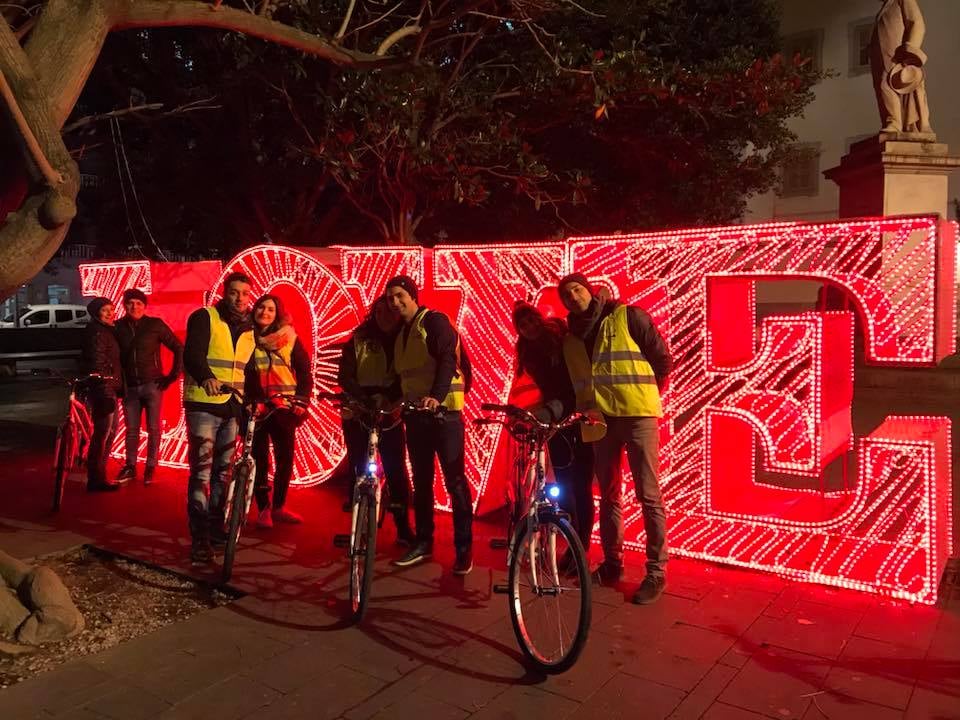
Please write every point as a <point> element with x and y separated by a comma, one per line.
<point>282,515</point>
<point>464,563</point>
<point>148,475</point>
<point>126,474</point>
<point>607,574</point>
<point>417,554</point>
<point>265,519</point>
<point>201,552</point>
<point>650,590</point>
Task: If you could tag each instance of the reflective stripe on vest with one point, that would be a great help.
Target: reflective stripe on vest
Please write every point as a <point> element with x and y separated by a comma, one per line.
<point>619,380</point>
<point>227,363</point>
<point>417,367</point>
<point>276,370</point>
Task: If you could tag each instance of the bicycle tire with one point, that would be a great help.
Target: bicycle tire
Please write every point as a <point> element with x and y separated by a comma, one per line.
<point>236,510</point>
<point>362,555</point>
<point>61,465</point>
<point>522,613</point>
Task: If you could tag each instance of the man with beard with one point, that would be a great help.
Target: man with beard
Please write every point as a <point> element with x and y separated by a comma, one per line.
<point>618,362</point>
<point>219,345</point>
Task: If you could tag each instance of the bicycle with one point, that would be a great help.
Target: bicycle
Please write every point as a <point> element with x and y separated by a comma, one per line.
<point>73,434</point>
<point>367,509</point>
<point>243,471</point>
<point>550,616</point>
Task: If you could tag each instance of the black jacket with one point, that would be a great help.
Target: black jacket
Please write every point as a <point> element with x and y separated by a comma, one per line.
<point>100,354</point>
<point>140,342</point>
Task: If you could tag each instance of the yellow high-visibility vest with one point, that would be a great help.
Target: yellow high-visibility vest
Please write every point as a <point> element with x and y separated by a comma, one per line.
<point>276,370</point>
<point>373,369</point>
<point>226,362</point>
<point>618,380</point>
<point>417,367</point>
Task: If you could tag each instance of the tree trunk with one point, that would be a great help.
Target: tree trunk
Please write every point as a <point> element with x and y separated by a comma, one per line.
<point>48,76</point>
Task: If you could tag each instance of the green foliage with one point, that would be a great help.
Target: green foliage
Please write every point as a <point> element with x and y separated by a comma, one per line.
<point>522,119</point>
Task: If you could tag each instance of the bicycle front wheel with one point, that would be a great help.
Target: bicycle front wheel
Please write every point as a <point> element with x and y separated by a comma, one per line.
<point>236,512</point>
<point>550,597</point>
<point>363,552</point>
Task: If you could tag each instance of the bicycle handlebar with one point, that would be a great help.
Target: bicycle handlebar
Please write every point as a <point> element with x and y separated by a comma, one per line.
<point>528,418</point>
<point>78,380</point>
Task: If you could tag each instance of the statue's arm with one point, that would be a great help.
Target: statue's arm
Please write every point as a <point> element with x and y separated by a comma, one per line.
<point>915,28</point>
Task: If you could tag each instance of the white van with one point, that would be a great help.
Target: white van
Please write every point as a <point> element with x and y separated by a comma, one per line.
<point>48,316</point>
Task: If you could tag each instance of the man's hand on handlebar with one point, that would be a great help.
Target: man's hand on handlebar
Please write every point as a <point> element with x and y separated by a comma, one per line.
<point>428,403</point>
<point>212,386</point>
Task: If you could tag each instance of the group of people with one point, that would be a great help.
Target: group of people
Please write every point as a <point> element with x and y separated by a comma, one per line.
<point>606,359</point>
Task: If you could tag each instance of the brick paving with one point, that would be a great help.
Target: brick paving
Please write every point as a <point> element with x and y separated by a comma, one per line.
<point>722,643</point>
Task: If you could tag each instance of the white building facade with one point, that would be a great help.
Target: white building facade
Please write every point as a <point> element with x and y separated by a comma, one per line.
<point>835,33</point>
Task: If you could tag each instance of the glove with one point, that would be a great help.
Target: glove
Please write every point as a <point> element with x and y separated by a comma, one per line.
<point>164,383</point>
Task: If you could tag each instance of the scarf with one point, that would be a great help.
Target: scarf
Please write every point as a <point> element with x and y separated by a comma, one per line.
<point>276,340</point>
<point>583,325</point>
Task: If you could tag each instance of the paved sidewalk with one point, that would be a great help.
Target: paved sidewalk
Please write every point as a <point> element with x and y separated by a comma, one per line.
<point>721,643</point>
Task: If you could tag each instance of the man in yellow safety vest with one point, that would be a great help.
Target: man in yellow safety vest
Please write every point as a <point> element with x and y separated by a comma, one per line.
<point>434,373</point>
<point>618,363</point>
<point>219,345</point>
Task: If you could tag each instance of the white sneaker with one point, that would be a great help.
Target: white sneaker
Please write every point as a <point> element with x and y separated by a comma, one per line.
<point>265,519</point>
<point>282,515</point>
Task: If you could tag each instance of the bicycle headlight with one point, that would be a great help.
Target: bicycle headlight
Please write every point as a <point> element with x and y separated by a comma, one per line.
<point>553,491</point>
<point>372,468</point>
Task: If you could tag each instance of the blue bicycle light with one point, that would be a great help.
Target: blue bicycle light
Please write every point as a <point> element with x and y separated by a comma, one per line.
<point>372,468</point>
<point>553,491</point>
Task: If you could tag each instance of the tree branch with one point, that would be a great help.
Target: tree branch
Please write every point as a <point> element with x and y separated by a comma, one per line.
<point>395,37</point>
<point>182,13</point>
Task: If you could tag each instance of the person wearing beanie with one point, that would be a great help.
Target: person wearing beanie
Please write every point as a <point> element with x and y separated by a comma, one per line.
<point>434,373</point>
<point>366,373</point>
<point>618,362</point>
<point>540,356</point>
<point>141,337</point>
<point>100,355</point>
<point>219,345</point>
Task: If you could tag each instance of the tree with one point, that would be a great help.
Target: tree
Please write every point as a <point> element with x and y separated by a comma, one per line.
<point>47,51</point>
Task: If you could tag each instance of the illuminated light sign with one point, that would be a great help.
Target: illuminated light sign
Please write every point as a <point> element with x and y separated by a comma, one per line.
<point>757,441</point>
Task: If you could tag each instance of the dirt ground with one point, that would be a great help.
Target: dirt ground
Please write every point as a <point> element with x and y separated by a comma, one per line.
<point>119,600</point>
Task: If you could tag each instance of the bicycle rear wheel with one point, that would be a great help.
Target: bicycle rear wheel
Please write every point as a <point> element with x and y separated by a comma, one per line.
<point>61,463</point>
<point>362,553</point>
<point>550,607</point>
<point>236,512</point>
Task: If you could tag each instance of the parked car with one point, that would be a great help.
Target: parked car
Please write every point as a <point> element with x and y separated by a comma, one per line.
<point>48,316</point>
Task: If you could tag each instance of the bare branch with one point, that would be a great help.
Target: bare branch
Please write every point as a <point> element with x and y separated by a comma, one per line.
<point>395,37</point>
<point>185,108</point>
<point>183,13</point>
<point>346,21</point>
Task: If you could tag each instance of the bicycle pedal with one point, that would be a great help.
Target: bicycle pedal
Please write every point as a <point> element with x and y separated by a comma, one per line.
<point>341,540</point>
<point>498,543</point>
<point>501,589</point>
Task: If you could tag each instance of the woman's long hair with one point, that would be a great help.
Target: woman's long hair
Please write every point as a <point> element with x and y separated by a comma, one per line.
<point>282,318</point>
<point>550,343</point>
<point>368,328</point>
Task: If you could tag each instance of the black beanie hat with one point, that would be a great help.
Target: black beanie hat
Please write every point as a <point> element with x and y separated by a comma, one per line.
<point>96,305</point>
<point>578,278</point>
<point>134,294</point>
<point>406,282</point>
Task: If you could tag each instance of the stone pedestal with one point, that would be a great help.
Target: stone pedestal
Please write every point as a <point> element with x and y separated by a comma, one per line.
<point>894,174</point>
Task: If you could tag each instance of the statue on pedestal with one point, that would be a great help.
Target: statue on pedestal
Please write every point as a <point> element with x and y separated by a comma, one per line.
<point>897,61</point>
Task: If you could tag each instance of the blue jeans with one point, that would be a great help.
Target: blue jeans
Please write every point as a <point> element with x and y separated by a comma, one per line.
<point>147,397</point>
<point>211,444</point>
